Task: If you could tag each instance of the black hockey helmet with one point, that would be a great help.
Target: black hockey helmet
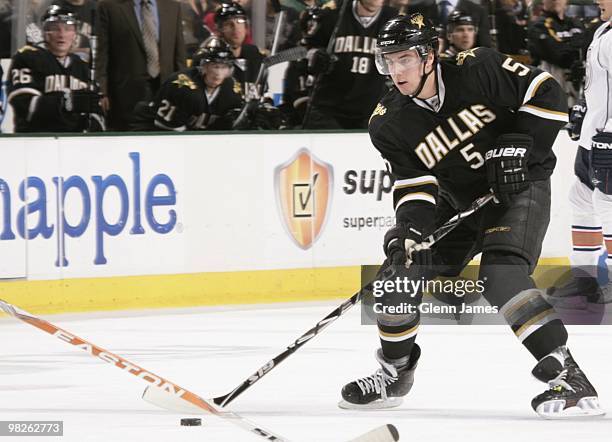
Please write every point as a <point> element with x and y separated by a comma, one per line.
<point>229,10</point>
<point>459,18</point>
<point>310,23</point>
<point>405,32</point>
<point>213,50</point>
<point>59,14</point>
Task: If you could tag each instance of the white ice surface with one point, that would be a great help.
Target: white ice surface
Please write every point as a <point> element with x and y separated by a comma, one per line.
<point>473,383</point>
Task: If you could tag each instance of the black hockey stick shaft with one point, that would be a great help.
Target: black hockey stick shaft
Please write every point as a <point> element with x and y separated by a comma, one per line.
<point>440,233</point>
<point>329,50</point>
<point>291,54</point>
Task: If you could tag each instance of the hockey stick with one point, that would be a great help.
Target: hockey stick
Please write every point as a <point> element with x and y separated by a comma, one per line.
<point>323,323</point>
<point>160,383</point>
<point>291,54</point>
<point>329,49</point>
<point>164,388</point>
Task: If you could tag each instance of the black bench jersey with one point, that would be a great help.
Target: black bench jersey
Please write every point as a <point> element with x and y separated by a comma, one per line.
<point>354,86</point>
<point>37,80</point>
<point>182,104</point>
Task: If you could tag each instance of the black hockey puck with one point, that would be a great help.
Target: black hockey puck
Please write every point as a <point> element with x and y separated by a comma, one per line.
<point>191,422</point>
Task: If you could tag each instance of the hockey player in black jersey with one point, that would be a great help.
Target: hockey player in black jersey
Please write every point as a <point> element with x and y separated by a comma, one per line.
<point>232,24</point>
<point>49,86</point>
<point>452,132</point>
<point>199,98</point>
<point>557,43</point>
<point>349,86</point>
<point>297,83</point>
<point>461,32</point>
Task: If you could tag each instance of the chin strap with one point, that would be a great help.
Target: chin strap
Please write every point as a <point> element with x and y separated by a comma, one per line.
<point>424,78</point>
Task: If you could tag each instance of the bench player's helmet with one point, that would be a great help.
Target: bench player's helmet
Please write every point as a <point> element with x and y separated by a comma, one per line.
<point>459,18</point>
<point>59,14</point>
<point>310,24</point>
<point>213,50</point>
<point>402,33</point>
<point>229,10</point>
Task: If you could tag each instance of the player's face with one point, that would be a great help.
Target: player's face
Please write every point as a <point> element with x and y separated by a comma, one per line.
<point>60,38</point>
<point>463,37</point>
<point>605,7</point>
<point>215,73</point>
<point>372,5</point>
<point>406,70</point>
<point>234,31</point>
<point>557,6</point>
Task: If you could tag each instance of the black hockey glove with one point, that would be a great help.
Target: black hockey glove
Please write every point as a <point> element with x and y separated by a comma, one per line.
<point>403,245</point>
<point>319,61</point>
<point>601,161</point>
<point>576,117</point>
<point>506,166</point>
<point>81,102</point>
<point>268,117</point>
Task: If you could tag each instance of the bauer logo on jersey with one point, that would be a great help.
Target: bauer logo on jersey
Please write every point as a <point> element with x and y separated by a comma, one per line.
<point>303,187</point>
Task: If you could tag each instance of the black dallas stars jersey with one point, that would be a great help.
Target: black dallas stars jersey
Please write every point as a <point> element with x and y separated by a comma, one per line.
<point>37,80</point>
<point>486,94</point>
<point>182,104</point>
<point>354,86</point>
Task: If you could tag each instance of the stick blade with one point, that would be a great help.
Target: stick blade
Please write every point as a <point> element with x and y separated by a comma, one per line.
<point>384,433</point>
<point>166,401</point>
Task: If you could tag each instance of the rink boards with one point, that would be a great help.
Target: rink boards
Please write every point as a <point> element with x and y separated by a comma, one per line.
<point>116,222</point>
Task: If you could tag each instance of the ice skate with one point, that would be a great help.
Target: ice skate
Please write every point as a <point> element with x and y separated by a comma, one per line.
<point>575,294</point>
<point>604,295</point>
<point>383,389</point>
<point>570,393</point>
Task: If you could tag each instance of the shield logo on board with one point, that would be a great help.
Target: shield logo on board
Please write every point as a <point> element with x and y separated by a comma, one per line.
<point>304,187</point>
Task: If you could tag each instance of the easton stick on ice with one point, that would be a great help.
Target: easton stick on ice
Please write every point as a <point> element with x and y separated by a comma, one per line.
<point>160,383</point>
<point>165,388</point>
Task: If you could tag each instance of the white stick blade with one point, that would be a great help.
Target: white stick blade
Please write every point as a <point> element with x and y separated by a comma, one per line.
<point>162,399</point>
<point>385,433</point>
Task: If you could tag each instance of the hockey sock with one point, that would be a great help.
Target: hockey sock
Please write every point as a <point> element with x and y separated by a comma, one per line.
<point>535,323</point>
<point>608,241</point>
<point>532,319</point>
<point>546,338</point>
<point>397,342</point>
<point>586,246</point>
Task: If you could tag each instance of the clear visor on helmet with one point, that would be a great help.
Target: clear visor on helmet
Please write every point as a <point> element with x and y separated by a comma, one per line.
<point>398,60</point>
<point>51,21</point>
<point>219,65</point>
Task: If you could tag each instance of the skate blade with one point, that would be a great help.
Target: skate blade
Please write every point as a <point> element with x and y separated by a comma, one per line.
<point>555,409</point>
<point>376,405</point>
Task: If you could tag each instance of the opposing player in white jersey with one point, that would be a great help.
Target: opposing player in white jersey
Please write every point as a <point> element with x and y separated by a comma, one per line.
<point>591,194</point>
